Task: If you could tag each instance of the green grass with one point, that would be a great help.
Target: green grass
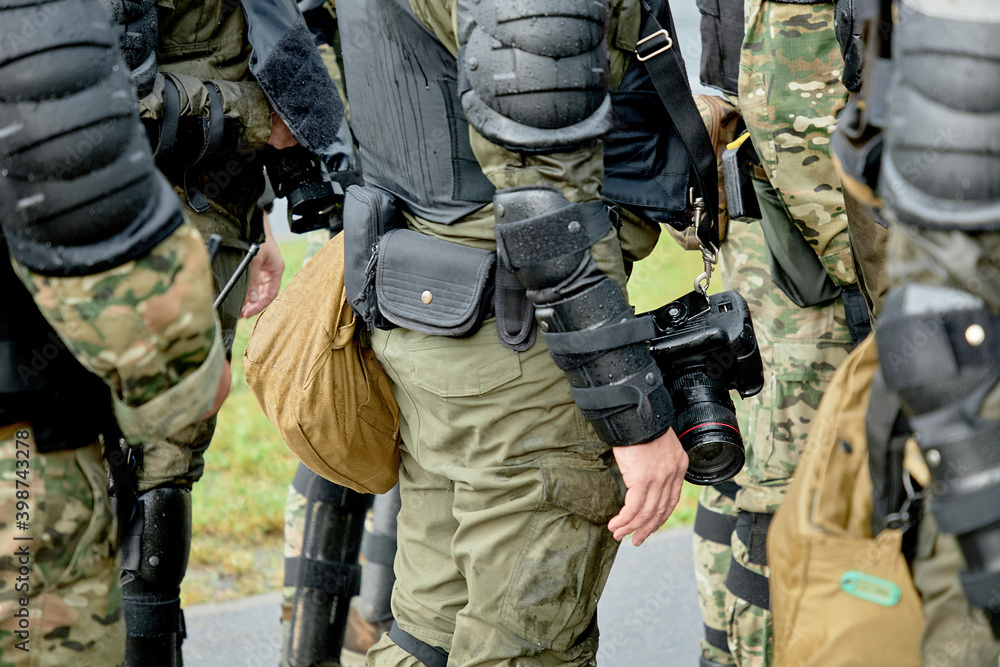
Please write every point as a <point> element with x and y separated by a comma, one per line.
<point>239,504</point>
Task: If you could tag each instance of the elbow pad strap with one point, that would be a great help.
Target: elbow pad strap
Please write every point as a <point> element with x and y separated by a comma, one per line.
<point>184,141</point>
<point>627,332</point>
<point>633,393</point>
<point>591,330</point>
<point>79,192</point>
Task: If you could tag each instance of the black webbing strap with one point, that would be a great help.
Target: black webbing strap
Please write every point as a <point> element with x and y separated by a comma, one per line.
<point>751,529</point>
<point>122,466</point>
<point>514,310</point>
<point>215,124</point>
<point>291,571</point>
<point>148,616</point>
<point>607,337</point>
<point>717,638</point>
<point>714,526</point>
<point>859,322</point>
<point>171,117</point>
<point>196,198</point>
<point>656,50</point>
<point>748,585</point>
<point>334,578</point>
<point>213,129</point>
<point>974,509</point>
<point>379,549</point>
<point>432,656</point>
<point>607,396</point>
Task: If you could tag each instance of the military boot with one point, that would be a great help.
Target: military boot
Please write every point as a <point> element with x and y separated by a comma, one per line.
<point>361,635</point>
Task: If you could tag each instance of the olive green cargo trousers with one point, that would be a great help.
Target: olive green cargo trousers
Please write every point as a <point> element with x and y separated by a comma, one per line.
<point>506,492</point>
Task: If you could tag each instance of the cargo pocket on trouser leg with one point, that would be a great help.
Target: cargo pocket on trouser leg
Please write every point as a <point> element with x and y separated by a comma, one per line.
<point>552,596</point>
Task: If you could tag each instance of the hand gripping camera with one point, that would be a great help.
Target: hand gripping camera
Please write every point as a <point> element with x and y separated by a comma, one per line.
<point>705,347</point>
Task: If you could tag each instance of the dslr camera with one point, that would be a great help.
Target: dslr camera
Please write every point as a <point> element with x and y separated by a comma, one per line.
<point>314,192</point>
<point>705,346</point>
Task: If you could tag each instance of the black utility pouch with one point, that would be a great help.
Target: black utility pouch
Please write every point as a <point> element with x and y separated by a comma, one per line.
<point>434,286</point>
<point>738,162</point>
<point>368,214</point>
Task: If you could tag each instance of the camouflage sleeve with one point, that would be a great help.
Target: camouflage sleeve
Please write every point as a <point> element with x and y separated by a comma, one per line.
<point>147,328</point>
<point>243,101</point>
<point>790,95</point>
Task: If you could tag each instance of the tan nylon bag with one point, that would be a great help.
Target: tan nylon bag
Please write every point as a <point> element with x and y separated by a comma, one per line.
<point>823,532</point>
<point>327,395</point>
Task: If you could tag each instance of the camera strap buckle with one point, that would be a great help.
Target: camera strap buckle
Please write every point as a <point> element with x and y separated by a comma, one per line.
<point>709,254</point>
<point>902,519</point>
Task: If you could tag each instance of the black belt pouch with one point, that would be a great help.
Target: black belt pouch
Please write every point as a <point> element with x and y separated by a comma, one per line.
<point>368,214</point>
<point>434,286</point>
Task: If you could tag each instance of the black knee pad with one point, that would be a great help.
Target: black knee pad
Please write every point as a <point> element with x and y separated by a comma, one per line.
<point>159,540</point>
<point>939,349</point>
<point>154,560</point>
<point>80,193</point>
<point>942,163</point>
<point>533,76</point>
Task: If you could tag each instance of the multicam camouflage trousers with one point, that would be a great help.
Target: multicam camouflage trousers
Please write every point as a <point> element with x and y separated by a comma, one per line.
<point>60,603</point>
<point>789,96</point>
<point>800,348</point>
<point>180,459</point>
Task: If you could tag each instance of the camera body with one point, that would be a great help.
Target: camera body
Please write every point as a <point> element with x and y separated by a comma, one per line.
<point>705,346</point>
<point>314,192</point>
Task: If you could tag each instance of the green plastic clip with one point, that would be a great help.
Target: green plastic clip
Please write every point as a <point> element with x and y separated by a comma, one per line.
<point>873,589</point>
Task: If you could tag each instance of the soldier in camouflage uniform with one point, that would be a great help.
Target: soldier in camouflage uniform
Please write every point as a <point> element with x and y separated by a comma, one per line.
<point>789,95</point>
<point>220,191</point>
<point>131,305</point>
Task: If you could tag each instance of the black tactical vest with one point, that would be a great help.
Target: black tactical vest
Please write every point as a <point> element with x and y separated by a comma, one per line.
<point>721,41</point>
<point>416,143</point>
<point>40,380</point>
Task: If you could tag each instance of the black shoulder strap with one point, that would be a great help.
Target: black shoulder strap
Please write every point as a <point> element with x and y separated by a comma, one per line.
<point>656,50</point>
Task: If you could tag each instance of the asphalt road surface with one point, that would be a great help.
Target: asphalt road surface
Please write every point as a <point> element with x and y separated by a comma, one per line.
<point>648,615</point>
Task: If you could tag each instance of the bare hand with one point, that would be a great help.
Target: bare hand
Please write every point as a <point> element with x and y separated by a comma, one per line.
<point>265,275</point>
<point>281,136</point>
<point>225,384</point>
<point>653,473</point>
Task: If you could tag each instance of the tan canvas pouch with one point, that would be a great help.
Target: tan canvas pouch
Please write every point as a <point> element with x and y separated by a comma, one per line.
<point>325,393</point>
<point>840,596</point>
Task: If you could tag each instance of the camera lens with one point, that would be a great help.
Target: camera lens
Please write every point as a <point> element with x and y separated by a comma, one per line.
<point>706,425</point>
